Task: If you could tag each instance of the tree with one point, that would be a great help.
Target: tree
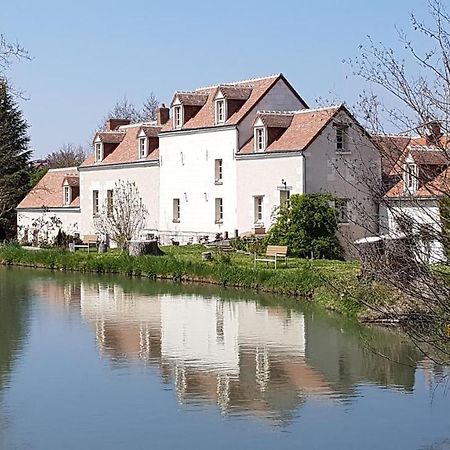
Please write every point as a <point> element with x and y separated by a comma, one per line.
<point>409,95</point>
<point>14,160</point>
<point>124,109</point>
<point>68,155</point>
<point>122,216</point>
<point>307,224</point>
<point>8,52</point>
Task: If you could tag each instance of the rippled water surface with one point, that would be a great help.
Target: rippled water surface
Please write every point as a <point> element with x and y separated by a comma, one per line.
<point>114,363</point>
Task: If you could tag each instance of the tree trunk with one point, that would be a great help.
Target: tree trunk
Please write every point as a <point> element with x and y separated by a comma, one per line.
<point>138,248</point>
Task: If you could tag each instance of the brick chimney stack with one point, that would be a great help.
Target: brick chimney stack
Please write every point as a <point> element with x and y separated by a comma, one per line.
<point>435,133</point>
<point>113,124</point>
<point>162,114</point>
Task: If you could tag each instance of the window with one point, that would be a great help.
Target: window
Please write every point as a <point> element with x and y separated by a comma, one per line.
<point>218,171</point>
<point>177,119</point>
<point>260,143</point>
<point>410,177</point>
<point>219,210</point>
<point>95,203</point>
<point>220,111</point>
<point>109,202</point>
<point>284,197</point>
<point>66,195</point>
<point>142,147</point>
<point>176,210</point>
<point>341,134</point>
<point>341,205</point>
<point>258,208</point>
<point>98,151</point>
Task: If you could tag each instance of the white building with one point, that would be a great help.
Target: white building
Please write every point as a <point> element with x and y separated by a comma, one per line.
<point>417,173</point>
<point>225,157</point>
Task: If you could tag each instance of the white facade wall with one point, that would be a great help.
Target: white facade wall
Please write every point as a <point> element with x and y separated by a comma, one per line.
<point>279,98</point>
<point>422,212</point>
<point>187,165</point>
<point>103,178</point>
<point>261,175</point>
<point>346,176</point>
<point>42,221</point>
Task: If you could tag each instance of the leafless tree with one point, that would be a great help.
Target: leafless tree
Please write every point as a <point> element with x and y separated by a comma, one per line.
<point>69,155</point>
<point>8,52</point>
<point>149,108</point>
<point>122,216</point>
<point>409,97</point>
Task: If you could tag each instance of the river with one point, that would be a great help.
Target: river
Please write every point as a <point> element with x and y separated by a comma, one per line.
<point>98,362</point>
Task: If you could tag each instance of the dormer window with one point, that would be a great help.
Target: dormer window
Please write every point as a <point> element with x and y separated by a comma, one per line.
<point>220,111</point>
<point>67,195</point>
<point>143,147</point>
<point>177,116</point>
<point>410,177</point>
<point>260,139</point>
<point>98,151</point>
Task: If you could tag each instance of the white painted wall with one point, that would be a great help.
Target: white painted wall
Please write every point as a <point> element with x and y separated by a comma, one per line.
<point>422,212</point>
<point>70,223</point>
<point>346,176</point>
<point>262,175</point>
<point>187,165</point>
<point>101,179</point>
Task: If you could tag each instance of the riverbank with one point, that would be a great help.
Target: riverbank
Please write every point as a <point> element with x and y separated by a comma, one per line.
<point>332,284</point>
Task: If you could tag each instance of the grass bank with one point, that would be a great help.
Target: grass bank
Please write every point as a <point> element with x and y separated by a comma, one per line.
<point>333,284</point>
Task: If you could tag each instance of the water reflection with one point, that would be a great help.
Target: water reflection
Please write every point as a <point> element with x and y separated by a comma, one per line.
<point>237,354</point>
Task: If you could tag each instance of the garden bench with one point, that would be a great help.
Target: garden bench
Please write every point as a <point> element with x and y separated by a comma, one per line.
<point>88,241</point>
<point>273,254</point>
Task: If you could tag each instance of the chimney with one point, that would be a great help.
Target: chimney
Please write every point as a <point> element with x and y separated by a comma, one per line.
<point>162,114</point>
<point>113,124</point>
<point>434,128</point>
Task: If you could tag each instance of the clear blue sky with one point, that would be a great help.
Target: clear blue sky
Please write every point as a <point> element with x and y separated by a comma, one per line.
<point>87,54</point>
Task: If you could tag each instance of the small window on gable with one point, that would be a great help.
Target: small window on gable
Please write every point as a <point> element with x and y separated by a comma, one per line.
<point>260,139</point>
<point>176,210</point>
<point>177,116</point>
<point>341,205</point>
<point>67,195</point>
<point>220,111</point>
<point>98,151</point>
<point>341,139</point>
<point>218,171</point>
<point>142,147</point>
<point>219,210</point>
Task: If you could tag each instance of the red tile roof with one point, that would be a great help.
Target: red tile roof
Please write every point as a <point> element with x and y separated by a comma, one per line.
<point>72,181</point>
<point>235,92</point>
<point>391,149</point>
<point>110,137</point>
<point>191,98</point>
<point>48,193</point>
<point>205,117</point>
<point>305,126</point>
<point>127,150</point>
<point>275,119</point>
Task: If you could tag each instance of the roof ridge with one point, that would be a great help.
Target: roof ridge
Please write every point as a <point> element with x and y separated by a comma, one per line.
<point>62,169</point>
<point>233,83</point>
<point>320,108</point>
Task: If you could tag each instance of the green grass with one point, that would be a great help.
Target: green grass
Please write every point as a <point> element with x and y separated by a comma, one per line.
<point>333,284</point>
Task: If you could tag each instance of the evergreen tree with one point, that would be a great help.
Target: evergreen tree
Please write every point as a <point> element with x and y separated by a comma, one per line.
<point>14,160</point>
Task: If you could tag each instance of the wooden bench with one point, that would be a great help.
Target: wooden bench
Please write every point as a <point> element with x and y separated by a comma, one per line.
<point>88,241</point>
<point>273,254</point>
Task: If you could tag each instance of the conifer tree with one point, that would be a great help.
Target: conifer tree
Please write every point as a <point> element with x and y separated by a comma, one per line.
<point>14,160</point>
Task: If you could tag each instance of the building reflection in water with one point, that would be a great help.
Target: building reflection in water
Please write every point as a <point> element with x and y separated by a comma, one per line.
<point>245,358</point>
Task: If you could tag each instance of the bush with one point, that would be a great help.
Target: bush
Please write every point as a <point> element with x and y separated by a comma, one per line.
<point>307,224</point>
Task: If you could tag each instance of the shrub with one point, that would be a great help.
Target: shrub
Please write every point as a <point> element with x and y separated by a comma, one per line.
<point>307,224</point>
